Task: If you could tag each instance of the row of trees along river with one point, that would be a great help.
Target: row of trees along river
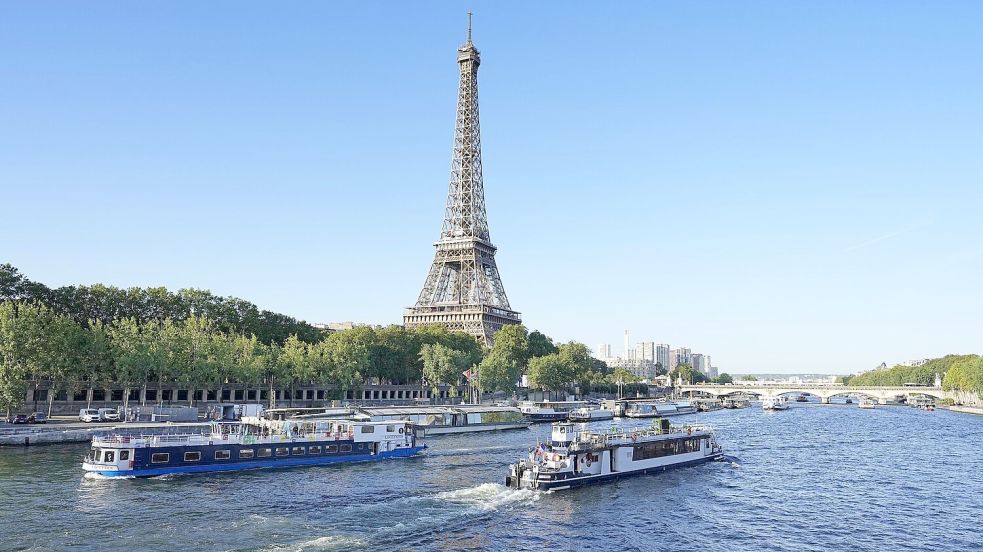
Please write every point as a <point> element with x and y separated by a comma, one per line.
<point>77,337</point>
<point>958,373</point>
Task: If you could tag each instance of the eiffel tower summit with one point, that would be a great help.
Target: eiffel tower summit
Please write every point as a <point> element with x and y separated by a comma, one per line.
<point>463,291</point>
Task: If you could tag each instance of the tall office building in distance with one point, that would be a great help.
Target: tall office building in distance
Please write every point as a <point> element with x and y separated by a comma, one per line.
<point>662,356</point>
<point>463,290</point>
<point>603,351</point>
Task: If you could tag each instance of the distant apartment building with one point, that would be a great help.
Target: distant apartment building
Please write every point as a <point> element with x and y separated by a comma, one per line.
<point>917,362</point>
<point>683,355</point>
<point>645,352</point>
<point>603,351</point>
<point>662,355</point>
<point>699,363</point>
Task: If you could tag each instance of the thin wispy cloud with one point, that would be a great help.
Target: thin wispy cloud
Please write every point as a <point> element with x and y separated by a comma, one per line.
<point>879,239</point>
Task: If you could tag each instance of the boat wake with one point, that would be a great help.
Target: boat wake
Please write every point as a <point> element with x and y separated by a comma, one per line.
<point>326,542</point>
<point>92,476</point>
<point>465,451</point>
<point>488,496</point>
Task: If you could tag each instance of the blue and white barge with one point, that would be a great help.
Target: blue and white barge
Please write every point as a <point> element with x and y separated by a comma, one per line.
<point>250,444</point>
<point>575,457</point>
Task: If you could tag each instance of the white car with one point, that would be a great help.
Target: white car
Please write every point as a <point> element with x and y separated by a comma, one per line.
<point>108,414</point>
<point>89,415</point>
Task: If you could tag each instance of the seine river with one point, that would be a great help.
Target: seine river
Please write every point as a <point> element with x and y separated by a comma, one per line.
<point>810,478</point>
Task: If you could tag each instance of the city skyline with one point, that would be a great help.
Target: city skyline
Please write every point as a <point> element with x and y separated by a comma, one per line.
<point>794,188</point>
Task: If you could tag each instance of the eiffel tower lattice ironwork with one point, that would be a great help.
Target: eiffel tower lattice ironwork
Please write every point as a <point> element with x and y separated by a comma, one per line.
<point>463,291</point>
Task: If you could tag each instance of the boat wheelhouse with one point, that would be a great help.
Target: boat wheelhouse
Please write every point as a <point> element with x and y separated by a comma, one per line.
<point>253,443</point>
<point>574,457</point>
<point>549,411</point>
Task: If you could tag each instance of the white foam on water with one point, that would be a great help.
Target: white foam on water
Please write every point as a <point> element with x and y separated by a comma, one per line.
<point>93,476</point>
<point>330,542</point>
<point>488,496</point>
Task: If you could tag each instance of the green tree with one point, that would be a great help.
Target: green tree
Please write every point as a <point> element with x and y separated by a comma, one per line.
<point>551,372</point>
<point>442,364</point>
<point>540,345</point>
<point>723,378</point>
<point>688,374</point>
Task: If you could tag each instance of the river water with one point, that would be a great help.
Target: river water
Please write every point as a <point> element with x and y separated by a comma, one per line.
<point>809,478</point>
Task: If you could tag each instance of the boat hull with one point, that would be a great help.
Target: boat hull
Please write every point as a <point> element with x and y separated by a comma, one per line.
<point>252,464</point>
<point>583,481</point>
<point>429,431</point>
<point>546,417</point>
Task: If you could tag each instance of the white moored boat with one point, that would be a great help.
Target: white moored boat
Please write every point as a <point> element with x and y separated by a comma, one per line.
<point>866,403</point>
<point>574,458</point>
<point>774,403</point>
<point>590,415</point>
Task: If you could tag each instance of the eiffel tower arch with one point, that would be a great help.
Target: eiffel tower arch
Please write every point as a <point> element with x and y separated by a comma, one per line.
<point>463,290</point>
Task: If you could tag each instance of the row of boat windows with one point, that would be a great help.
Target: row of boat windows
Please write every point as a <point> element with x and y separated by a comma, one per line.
<point>246,454</point>
<point>659,449</point>
<point>110,455</point>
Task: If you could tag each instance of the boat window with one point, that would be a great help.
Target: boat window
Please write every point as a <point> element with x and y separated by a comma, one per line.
<point>265,452</point>
<point>361,446</point>
<point>160,458</point>
<point>246,453</point>
<point>331,449</point>
<point>282,451</point>
<point>346,448</point>
<point>124,455</point>
<point>192,456</point>
<point>314,450</point>
<point>223,454</point>
<point>110,456</point>
<point>297,451</point>
<point>368,429</point>
<point>390,428</point>
<point>98,455</point>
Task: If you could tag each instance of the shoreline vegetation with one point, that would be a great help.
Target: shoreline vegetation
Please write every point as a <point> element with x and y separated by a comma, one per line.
<point>75,337</point>
<point>963,373</point>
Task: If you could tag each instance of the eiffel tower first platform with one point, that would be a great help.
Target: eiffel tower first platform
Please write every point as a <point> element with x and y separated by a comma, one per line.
<point>463,291</point>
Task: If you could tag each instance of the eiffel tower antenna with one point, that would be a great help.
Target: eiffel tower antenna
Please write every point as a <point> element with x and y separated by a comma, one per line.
<point>463,290</point>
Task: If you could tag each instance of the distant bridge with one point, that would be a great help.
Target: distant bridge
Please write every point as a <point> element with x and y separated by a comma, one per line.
<point>823,391</point>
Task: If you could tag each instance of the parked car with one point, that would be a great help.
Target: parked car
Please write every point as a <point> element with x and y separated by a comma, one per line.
<point>17,419</point>
<point>108,414</point>
<point>88,415</point>
<point>37,418</point>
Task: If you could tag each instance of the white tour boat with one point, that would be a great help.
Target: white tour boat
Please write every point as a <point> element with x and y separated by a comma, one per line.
<point>866,403</point>
<point>590,415</point>
<point>574,458</point>
<point>253,443</point>
<point>774,403</point>
<point>548,411</point>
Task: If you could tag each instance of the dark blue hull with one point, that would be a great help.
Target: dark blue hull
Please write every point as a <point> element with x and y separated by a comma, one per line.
<point>297,454</point>
<point>553,417</point>
<point>574,482</point>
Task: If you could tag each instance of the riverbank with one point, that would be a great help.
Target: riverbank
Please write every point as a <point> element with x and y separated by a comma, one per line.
<point>978,410</point>
<point>72,433</point>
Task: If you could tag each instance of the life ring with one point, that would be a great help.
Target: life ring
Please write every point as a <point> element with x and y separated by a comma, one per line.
<point>400,431</point>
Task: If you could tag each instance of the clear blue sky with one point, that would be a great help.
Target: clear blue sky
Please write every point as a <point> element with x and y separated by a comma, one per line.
<point>787,186</point>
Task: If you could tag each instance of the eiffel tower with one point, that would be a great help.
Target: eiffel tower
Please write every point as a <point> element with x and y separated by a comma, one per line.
<point>463,291</point>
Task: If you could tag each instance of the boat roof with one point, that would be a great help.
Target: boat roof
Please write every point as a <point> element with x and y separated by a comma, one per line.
<point>437,409</point>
